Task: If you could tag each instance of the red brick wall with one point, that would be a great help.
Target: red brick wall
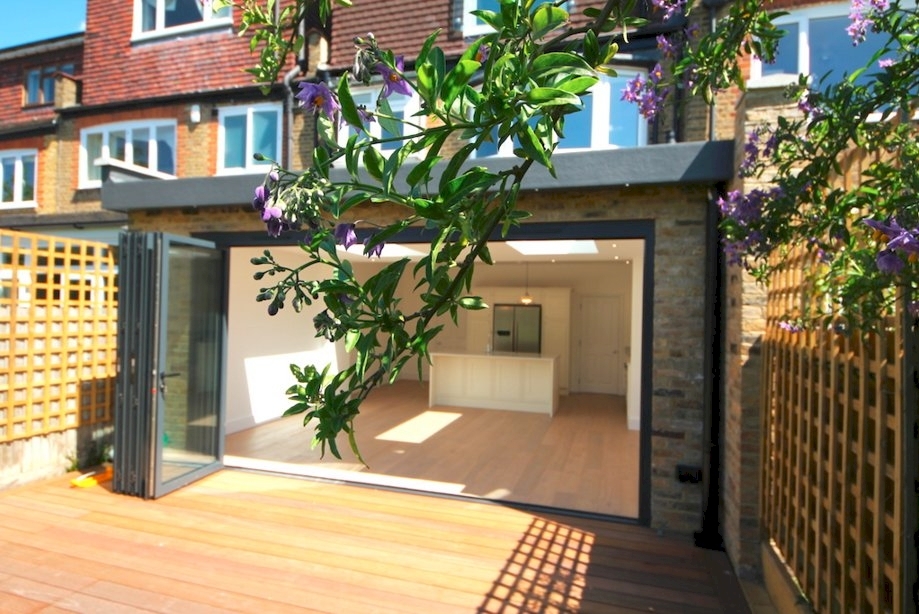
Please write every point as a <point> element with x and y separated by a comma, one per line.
<point>118,69</point>
<point>402,26</point>
<point>12,80</point>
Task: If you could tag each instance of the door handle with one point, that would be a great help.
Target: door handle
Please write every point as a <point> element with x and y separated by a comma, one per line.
<point>163,376</point>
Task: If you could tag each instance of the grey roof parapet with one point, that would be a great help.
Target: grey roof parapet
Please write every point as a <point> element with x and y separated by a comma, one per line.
<point>703,162</point>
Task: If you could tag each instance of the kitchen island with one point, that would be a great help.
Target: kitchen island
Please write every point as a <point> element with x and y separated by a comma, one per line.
<point>498,380</point>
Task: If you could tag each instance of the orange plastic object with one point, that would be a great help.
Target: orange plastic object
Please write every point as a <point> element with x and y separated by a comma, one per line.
<point>93,478</point>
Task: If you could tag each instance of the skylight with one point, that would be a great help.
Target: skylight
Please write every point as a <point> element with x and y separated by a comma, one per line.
<point>563,247</point>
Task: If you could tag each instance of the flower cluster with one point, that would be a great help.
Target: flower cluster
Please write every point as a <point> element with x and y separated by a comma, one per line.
<point>669,8</point>
<point>752,151</point>
<point>861,17</point>
<point>901,243</point>
<point>346,235</point>
<point>647,93</point>
<point>265,201</point>
<point>744,212</point>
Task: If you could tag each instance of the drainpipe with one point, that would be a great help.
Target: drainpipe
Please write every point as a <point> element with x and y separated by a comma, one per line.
<point>709,536</point>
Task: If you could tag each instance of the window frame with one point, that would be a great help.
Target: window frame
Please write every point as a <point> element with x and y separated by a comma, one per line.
<point>802,18</point>
<point>251,165</point>
<point>161,30</point>
<point>85,182</point>
<point>604,99</point>
<point>408,105</point>
<point>18,180</point>
<point>44,80</point>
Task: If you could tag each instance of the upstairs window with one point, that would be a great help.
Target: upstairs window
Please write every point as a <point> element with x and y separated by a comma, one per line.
<point>38,88</point>
<point>164,16</point>
<point>403,108</point>
<point>149,147</point>
<point>605,122</point>
<point>472,25</point>
<point>815,43</point>
<point>246,131</point>
<point>18,174</point>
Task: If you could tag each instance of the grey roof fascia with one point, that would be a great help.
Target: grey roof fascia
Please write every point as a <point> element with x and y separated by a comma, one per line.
<point>703,162</point>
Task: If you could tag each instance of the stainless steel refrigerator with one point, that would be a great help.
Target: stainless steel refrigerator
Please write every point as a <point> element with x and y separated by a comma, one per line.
<point>517,328</point>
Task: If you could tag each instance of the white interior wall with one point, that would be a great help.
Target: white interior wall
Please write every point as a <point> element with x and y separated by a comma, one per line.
<point>261,347</point>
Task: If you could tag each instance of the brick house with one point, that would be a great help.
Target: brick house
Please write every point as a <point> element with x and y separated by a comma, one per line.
<point>155,125</point>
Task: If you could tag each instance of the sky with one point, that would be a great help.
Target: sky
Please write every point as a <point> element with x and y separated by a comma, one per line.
<point>27,21</point>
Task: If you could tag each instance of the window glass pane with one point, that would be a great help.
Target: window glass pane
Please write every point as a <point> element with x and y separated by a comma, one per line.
<point>265,134</point>
<point>93,153</point>
<point>831,49</point>
<point>140,146</point>
<point>148,15</point>
<point>234,141</point>
<point>385,134</point>
<point>489,148</point>
<point>180,12</point>
<point>165,149</point>
<point>117,145</point>
<point>786,53</point>
<point>624,118</point>
<point>47,85</point>
<point>8,171</point>
<point>578,127</point>
<point>28,178</point>
<point>33,85</point>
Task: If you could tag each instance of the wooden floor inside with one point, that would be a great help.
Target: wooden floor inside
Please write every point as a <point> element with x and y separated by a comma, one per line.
<point>583,458</point>
<point>240,541</point>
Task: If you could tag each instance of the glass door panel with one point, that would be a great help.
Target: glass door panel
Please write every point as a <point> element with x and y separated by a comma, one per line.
<point>189,437</point>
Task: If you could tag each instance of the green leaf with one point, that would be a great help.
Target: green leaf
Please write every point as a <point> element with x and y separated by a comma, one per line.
<point>473,303</point>
<point>547,18</point>
<point>577,85</point>
<point>456,79</point>
<point>348,108</point>
<point>559,62</point>
<point>551,96</point>
<point>422,56</point>
<point>422,171</point>
<point>373,162</point>
<point>452,169</point>
<point>351,339</point>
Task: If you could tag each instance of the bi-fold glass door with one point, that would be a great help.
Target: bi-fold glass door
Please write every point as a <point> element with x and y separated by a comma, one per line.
<point>171,329</point>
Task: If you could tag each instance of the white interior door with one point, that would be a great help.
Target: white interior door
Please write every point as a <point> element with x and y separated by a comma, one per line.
<point>601,364</point>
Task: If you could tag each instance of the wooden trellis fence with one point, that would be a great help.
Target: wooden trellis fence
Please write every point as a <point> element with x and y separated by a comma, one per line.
<point>838,504</point>
<point>57,334</point>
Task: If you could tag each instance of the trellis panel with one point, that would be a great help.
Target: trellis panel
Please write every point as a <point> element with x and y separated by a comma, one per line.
<point>833,455</point>
<point>57,334</point>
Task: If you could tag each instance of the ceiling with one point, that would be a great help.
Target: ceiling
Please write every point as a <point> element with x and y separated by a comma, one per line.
<point>600,250</point>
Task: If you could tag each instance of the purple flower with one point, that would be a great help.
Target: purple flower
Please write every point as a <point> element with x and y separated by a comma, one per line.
<point>807,106</point>
<point>645,94</point>
<point>481,54</point>
<point>669,7</point>
<point>269,213</point>
<point>344,235</point>
<point>262,194</point>
<point>393,81</point>
<point>656,75</point>
<point>318,98</point>
<point>274,176</point>
<point>889,262</point>
<point>365,115</point>
<point>373,252</point>
<point>667,49</point>
<point>792,327</point>
<point>886,62</point>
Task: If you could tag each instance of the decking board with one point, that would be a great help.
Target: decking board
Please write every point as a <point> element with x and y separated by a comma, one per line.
<point>246,542</point>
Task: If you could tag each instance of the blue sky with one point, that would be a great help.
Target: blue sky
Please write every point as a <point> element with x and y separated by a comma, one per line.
<point>27,21</point>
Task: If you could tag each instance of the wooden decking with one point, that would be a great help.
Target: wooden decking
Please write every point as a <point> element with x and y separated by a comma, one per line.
<point>248,542</point>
